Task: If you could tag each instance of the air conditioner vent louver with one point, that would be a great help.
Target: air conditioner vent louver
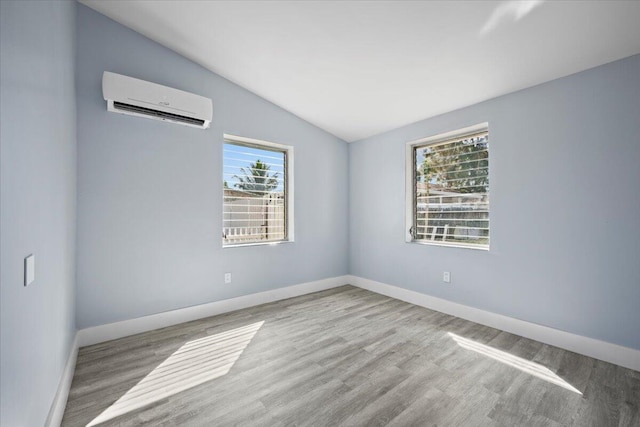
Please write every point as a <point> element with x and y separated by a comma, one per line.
<point>159,114</point>
<point>135,97</point>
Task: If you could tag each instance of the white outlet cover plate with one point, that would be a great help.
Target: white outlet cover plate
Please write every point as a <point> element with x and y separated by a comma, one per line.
<point>29,269</point>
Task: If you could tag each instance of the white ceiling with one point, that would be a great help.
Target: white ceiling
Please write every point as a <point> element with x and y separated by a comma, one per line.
<point>357,69</point>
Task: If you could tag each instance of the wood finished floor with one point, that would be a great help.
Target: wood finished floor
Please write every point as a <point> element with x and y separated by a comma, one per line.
<point>344,356</point>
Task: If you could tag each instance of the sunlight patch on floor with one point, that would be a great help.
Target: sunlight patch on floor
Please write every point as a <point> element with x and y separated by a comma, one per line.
<point>524,365</point>
<point>194,363</point>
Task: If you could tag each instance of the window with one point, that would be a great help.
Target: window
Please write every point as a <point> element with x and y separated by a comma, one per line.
<point>257,192</point>
<point>448,189</point>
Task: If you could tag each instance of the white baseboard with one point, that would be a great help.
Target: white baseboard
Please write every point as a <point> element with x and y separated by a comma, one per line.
<point>608,352</point>
<point>612,353</point>
<point>56,412</point>
<point>111,331</point>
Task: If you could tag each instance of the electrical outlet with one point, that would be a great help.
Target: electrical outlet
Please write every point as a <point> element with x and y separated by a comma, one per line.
<point>446,277</point>
<point>227,277</point>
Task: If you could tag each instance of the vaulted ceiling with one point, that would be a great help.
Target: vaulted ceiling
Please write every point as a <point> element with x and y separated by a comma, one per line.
<point>358,68</point>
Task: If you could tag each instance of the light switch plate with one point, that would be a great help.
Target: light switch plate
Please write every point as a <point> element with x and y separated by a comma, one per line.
<point>29,269</point>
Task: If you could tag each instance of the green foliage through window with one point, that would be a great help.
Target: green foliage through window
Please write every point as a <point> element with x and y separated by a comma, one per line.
<point>257,178</point>
<point>451,193</point>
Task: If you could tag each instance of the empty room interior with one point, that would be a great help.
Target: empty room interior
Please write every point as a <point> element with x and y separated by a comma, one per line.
<point>320,213</point>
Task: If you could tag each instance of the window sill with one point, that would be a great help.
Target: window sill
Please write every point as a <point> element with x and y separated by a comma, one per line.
<point>243,245</point>
<point>450,245</point>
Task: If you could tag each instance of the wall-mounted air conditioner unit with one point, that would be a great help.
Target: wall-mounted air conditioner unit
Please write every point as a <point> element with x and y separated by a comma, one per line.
<point>127,95</point>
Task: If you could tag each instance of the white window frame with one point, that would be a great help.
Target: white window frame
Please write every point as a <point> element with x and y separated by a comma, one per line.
<point>288,190</point>
<point>410,202</point>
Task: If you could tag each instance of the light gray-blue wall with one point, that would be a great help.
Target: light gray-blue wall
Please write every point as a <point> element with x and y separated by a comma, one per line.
<point>38,204</point>
<point>150,193</point>
<point>565,207</point>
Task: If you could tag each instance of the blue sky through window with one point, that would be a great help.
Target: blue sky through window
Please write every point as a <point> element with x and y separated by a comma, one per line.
<point>237,156</point>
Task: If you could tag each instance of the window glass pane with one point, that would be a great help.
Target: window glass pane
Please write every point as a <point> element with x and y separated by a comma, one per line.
<point>254,187</point>
<point>452,191</point>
